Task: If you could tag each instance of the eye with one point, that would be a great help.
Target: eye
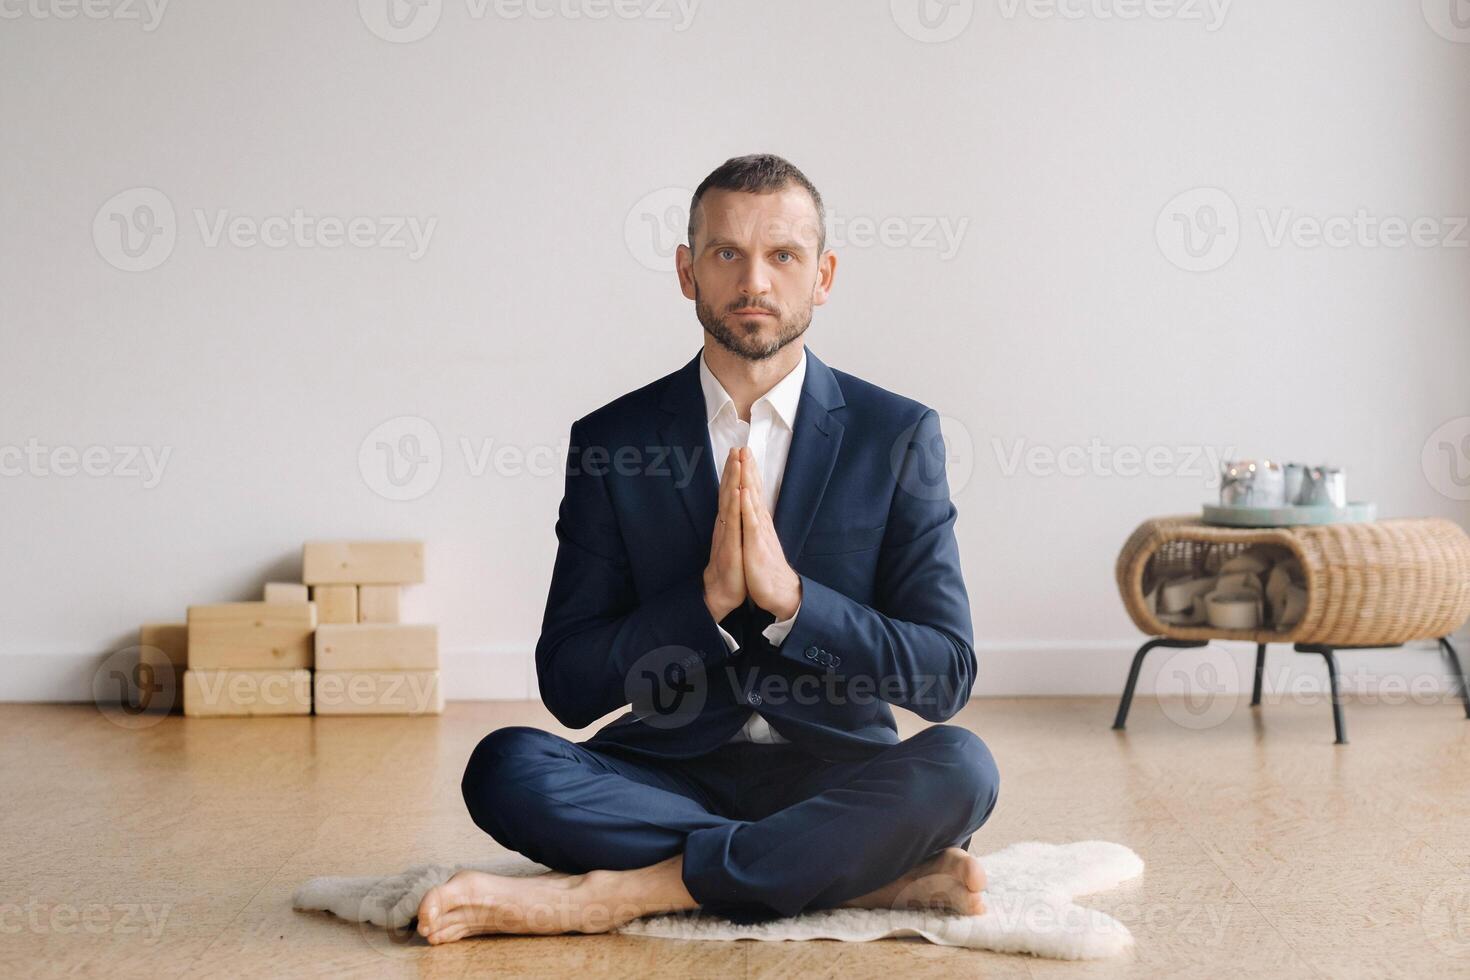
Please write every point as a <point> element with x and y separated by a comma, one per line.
<point>785,257</point>
<point>726,253</point>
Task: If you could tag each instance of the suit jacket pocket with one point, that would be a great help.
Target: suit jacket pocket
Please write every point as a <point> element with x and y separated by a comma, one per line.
<point>843,541</point>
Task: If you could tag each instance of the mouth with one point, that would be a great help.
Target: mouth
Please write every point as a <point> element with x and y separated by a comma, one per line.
<point>751,312</point>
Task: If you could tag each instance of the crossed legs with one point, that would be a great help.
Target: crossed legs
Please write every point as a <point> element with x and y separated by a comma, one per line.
<point>636,837</point>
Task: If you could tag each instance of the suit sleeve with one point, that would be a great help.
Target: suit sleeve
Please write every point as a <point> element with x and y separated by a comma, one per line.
<point>597,627</point>
<point>916,642</point>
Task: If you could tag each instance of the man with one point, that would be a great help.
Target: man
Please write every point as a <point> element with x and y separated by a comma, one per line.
<point>760,627</point>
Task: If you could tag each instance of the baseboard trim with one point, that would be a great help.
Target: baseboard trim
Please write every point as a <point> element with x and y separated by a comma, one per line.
<point>496,674</point>
<point>1010,669</point>
<point>1007,668</point>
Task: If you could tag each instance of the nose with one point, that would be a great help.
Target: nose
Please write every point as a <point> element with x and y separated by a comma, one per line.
<point>755,280</point>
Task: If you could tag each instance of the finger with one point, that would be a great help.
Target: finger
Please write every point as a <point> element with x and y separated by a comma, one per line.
<point>722,504</point>
<point>732,513</point>
<point>730,472</point>
<point>729,483</point>
<point>751,477</point>
<point>733,524</point>
<point>749,471</point>
<point>758,500</point>
<point>730,508</point>
<point>726,502</point>
<point>733,532</point>
<point>749,522</point>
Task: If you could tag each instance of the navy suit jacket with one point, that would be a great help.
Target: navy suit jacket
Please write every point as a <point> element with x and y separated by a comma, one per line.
<point>864,518</point>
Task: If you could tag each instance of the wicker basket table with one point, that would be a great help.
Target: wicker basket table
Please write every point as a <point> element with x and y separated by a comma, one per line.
<point>1377,584</point>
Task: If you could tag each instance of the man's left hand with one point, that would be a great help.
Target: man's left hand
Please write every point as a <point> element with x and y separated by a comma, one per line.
<point>772,583</point>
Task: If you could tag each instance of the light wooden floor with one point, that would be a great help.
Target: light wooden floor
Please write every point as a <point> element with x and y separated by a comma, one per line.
<point>1270,852</point>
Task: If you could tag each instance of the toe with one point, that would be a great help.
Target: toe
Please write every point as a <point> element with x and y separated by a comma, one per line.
<point>429,910</point>
<point>451,920</point>
<point>974,874</point>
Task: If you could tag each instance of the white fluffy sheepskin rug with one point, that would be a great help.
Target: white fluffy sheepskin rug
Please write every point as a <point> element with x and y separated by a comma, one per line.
<point>1028,902</point>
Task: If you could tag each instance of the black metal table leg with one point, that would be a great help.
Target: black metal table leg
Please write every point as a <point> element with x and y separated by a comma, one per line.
<point>1328,653</point>
<point>1121,719</point>
<point>1444,642</point>
<point>1337,724</point>
<point>1260,668</point>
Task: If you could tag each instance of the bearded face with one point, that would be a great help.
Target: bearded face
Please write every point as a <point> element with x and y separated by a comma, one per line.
<point>753,336</point>
<point>757,269</point>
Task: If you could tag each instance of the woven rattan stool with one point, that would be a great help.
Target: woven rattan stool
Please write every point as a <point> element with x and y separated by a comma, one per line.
<point>1378,584</point>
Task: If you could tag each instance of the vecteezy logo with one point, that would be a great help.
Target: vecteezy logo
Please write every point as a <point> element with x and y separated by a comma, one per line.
<point>400,21</point>
<point>655,227</point>
<point>1450,19</point>
<point>1200,672</point>
<point>402,458</point>
<point>135,230</point>
<point>1446,458</point>
<point>1445,918</point>
<point>932,21</point>
<point>389,931</point>
<point>933,463</point>
<point>1199,230</point>
<point>667,687</point>
<point>135,687</point>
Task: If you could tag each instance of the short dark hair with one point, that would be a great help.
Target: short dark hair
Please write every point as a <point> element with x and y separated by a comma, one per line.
<point>758,173</point>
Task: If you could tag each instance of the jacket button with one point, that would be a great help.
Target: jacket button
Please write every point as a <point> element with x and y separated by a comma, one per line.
<point>836,661</point>
<point>811,653</point>
<point>753,698</point>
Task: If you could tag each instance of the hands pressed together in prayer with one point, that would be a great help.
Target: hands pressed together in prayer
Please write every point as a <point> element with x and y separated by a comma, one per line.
<point>745,554</point>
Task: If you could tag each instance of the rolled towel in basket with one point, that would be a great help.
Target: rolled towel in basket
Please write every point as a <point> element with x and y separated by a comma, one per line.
<point>1178,595</point>
<point>1237,610</point>
<point>1238,582</point>
<point>1293,608</point>
<point>1276,585</point>
<point>1247,561</point>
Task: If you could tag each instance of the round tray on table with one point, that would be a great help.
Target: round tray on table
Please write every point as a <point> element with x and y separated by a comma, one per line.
<point>1292,515</point>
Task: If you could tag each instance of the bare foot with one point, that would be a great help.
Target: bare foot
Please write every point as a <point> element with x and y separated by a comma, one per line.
<point>951,881</point>
<point>473,903</point>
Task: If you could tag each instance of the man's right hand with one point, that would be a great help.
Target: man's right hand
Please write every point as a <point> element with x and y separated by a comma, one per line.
<point>724,576</point>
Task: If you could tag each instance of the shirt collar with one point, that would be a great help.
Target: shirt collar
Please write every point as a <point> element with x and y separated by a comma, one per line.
<point>784,396</point>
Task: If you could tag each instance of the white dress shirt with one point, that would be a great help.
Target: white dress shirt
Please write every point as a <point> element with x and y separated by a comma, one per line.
<point>768,434</point>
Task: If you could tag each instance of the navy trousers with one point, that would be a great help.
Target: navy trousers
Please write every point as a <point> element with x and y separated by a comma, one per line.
<point>766,830</point>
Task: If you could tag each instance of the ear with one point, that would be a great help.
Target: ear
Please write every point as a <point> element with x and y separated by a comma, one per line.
<point>684,265</point>
<point>826,272</point>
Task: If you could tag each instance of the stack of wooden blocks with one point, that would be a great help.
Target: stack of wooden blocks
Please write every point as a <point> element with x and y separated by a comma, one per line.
<point>367,662</point>
<point>250,658</point>
<point>256,658</point>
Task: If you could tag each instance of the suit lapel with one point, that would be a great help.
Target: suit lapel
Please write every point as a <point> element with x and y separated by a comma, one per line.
<point>813,453</point>
<point>685,434</point>
<point>814,445</point>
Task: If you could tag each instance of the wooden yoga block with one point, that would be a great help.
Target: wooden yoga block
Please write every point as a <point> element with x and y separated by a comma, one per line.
<point>285,592</point>
<point>377,646</point>
<point>377,603</point>
<point>378,692</point>
<point>227,693</point>
<point>165,642</point>
<point>362,562</point>
<point>251,635</point>
<point>163,656</point>
<point>335,603</point>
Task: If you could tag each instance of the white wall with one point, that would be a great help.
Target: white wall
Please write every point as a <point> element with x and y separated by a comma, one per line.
<point>537,146</point>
